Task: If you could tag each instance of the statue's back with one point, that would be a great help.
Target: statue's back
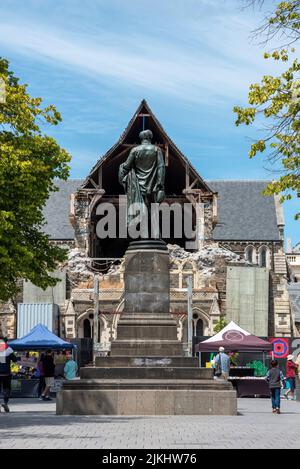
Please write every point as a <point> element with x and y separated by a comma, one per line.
<point>145,156</point>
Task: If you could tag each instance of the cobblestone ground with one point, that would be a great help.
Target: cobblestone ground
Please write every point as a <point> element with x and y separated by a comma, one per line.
<point>33,424</point>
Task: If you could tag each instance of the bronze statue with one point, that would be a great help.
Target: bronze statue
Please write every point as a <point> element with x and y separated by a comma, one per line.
<point>143,175</point>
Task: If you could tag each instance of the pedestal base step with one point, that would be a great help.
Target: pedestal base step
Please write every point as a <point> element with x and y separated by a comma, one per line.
<point>149,348</point>
<point>146,373</point>
<point>124,362</point>
<point>187,384</point>
<point>146,402</point>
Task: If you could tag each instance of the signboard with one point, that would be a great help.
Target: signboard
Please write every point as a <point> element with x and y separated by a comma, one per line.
<point>56,386</point>
<point>28,362</point>
<point>281,347</point>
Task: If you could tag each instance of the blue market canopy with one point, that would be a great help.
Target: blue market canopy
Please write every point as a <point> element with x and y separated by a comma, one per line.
<point>40,338</point>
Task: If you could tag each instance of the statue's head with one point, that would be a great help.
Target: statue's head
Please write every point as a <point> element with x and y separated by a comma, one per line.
<point>146,135</point>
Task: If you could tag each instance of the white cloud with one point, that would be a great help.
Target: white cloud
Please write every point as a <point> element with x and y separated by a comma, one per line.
<point>208,61</point>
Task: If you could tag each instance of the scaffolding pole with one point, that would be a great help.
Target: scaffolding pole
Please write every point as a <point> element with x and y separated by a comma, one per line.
<point>96,317</point>
<point>190,315</point>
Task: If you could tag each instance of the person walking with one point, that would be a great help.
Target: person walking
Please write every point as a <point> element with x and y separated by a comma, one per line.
<point>275,379</point>
<point>41,376</point>
<point>6,357</point>
<point>291,369</point>
<point>49,368</point>
<point>222,364</point>
<point>71,368</point>
<point>60,361</point>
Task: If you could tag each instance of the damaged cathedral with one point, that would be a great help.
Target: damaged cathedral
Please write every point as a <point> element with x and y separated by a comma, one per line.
<point>236,260</point>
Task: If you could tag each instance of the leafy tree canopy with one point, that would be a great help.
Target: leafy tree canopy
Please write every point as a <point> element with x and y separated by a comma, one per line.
<point>29,163</point>
<point>277,100</point>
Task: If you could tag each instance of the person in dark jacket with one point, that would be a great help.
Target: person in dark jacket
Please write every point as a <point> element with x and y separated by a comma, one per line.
<point>49,368</point>
<point>6,357</point>
<point>41,376</point>
<point>275,378</point>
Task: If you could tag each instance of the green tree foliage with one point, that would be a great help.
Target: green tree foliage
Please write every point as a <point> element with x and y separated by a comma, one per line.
<point>29,163</point>
<point>277,100</point>
<point>220,325</point>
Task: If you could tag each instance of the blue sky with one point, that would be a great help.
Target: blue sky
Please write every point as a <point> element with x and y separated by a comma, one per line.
<point>191,59</point>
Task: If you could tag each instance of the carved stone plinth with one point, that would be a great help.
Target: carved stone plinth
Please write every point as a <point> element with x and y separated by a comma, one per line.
<point>147,281</point>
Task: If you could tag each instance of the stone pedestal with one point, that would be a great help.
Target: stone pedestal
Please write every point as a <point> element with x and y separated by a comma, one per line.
<point>146,327</point>
<point>147,281</point>
<point>146,334</point>
<point>146,373</point>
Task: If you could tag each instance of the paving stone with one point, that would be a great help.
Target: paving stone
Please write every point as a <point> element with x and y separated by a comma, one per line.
<point>34,425</point>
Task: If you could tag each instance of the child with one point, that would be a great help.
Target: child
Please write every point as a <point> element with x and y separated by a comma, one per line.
<point>275,378</point>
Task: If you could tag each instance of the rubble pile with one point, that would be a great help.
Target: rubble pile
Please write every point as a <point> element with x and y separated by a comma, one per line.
<point>205,258</point>
<point>78,267</point>
<point>80,270</point>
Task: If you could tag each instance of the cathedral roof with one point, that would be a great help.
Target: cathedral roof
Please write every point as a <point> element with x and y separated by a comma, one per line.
<point>244,214</point>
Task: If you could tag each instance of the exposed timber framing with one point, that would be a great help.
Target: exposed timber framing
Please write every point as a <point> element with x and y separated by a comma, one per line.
<point>145,111</point>
<point>187,176</point>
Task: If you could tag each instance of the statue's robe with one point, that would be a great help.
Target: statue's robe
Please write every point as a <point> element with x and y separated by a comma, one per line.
<point>143,175</point>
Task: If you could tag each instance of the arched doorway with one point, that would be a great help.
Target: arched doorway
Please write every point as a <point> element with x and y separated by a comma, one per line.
<point>85,325</point>
<point>200,328</point>
<point>87,330</point>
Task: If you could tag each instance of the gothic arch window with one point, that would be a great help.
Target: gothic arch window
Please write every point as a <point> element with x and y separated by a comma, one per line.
<point>200,328</point>
<point>263,257</point>
<point>188,266</point>
<point>200,323</point>
<point>250,254</point>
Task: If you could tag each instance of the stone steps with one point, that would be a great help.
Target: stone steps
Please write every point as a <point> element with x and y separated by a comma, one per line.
<point>146,332</point>
<point>144,384</point>
<point>280,266</point>
<point>204,401</point>
<point>129,361</point>
<point>143,348</point>
<point>140,373</point>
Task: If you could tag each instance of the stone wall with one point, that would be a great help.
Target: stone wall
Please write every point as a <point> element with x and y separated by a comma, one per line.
<point>7,320</point>
<point>209,221</point>
<point>208,267</point>
<point>81,220</point>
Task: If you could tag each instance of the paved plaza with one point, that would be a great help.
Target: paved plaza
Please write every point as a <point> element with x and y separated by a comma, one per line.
<point>33,424</point>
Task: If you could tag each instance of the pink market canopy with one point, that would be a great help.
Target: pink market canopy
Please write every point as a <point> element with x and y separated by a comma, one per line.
<point>234,339</point>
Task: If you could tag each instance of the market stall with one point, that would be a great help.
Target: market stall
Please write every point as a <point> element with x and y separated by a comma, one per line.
<point>235,339</point>
<point>38,340</point>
